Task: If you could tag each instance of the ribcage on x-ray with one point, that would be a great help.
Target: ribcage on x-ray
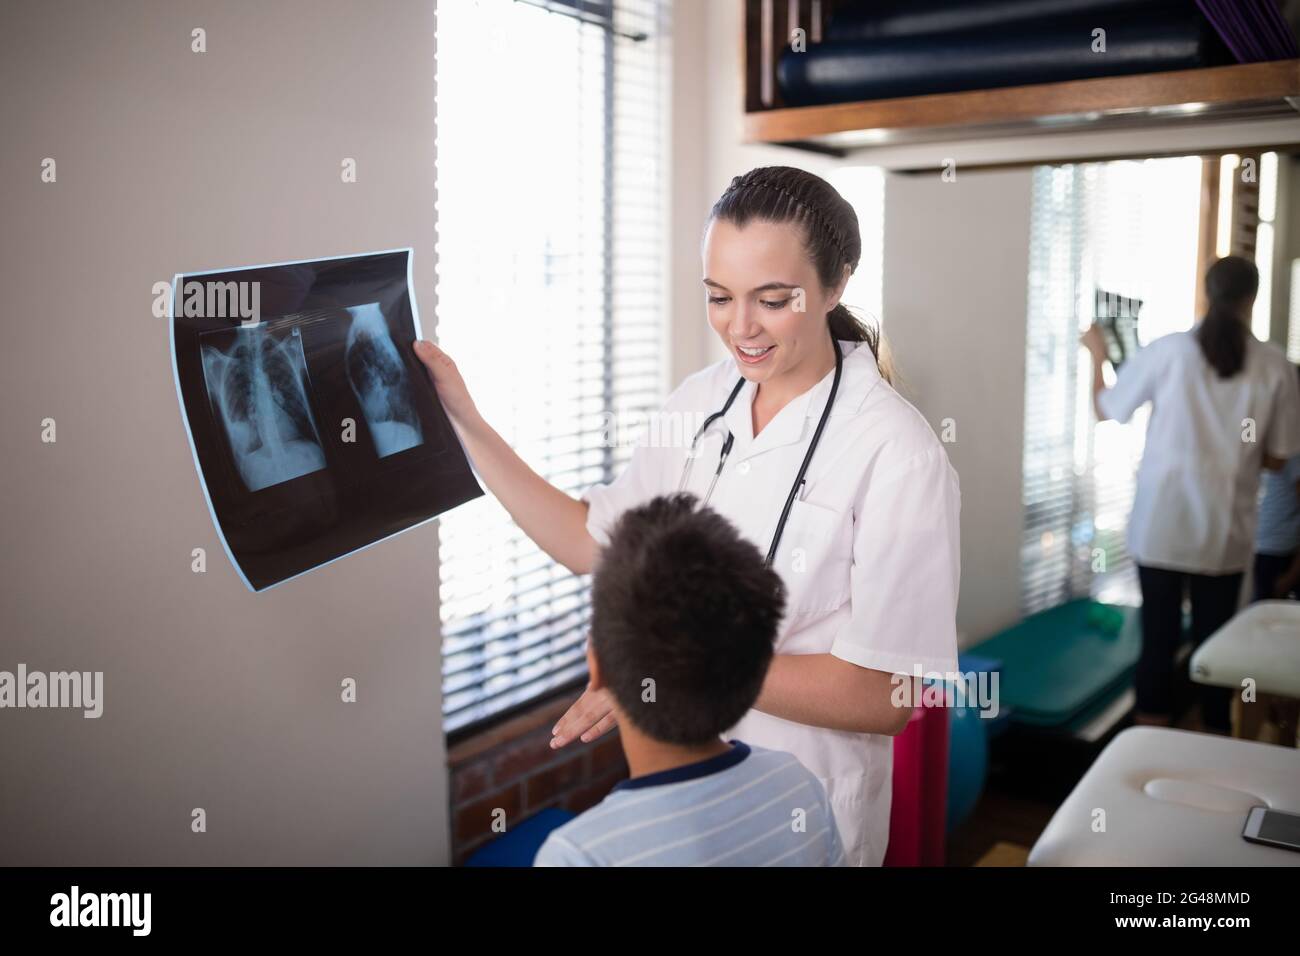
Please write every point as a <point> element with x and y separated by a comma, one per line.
<point>379,381</point>
<point>258,388</point>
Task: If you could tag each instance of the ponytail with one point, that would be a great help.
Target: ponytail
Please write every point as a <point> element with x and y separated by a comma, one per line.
<point>1230,285</point>
<point>1223,340</point>
<point>847,327</point>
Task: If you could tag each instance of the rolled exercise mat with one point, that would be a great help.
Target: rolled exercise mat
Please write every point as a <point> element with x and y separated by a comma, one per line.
<point>875,19</point>
<point>1171,37</point>
<point>1059,663</point>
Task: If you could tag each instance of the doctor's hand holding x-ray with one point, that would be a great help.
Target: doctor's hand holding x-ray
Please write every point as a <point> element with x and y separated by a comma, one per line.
<point>817,460</point>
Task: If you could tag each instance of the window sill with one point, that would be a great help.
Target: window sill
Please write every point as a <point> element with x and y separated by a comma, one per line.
<point>542,713</point>
<point>507,772</point>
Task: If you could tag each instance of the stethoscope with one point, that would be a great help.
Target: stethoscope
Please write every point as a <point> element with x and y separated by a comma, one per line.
<point>728,441</point>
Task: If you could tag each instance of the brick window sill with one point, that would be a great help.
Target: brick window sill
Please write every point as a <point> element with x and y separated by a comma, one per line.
<point>510,767</point>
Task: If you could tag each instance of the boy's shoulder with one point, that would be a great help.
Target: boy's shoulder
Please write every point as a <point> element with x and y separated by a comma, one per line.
<point>568,845</point>
<point>558,850</point>
<point>774,758</point>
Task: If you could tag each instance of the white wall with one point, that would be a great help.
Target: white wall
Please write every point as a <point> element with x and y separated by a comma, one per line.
<point>689,189</point>
<point>955,293</point>
<point>169,160</point>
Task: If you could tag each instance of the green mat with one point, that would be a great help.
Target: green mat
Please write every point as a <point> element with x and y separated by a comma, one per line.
<point>1059,662</point>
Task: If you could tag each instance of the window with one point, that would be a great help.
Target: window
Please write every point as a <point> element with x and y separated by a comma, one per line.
<point>1247,188</point>
<point>1265,234</point>
<point>551,263</point>
<point>1128,228</point>
<point>1293,315</point>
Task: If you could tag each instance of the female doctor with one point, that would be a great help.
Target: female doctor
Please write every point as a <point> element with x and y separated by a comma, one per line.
<point>865,528</point>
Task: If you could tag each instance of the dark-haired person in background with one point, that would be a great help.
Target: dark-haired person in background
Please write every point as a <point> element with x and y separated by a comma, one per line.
<point>1224,405</point>
<point>1277,542</point>
<point>684,621</point>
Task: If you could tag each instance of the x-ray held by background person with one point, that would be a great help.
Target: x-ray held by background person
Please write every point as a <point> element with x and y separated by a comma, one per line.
<point>313,433</point>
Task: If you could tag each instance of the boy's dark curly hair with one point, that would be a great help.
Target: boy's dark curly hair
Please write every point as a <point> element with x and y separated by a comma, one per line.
<point>681,600</point>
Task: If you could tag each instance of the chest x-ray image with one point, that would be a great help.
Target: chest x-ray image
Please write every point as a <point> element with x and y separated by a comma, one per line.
<point>314,429</point>
<point>257,384</point>
<point>380,382</point>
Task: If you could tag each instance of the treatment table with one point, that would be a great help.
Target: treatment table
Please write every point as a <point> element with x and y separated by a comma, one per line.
<point>1261,644</point>
<point>1172,798</point>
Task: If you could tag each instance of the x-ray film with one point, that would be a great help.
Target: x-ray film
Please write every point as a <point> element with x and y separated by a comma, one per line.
<point>380,382</point>
<point>257,386</point>
<point>314,429</point>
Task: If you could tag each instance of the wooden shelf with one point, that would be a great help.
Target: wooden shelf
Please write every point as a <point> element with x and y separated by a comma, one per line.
<point>1150,100</point>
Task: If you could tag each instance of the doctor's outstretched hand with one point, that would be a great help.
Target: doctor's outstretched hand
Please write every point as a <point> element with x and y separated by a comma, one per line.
<point>554,520</point>
<point>590,717</point>
<point>447,380</point>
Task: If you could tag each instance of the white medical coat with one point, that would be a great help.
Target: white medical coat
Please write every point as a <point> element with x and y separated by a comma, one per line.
<point>1194,507</point>
<point>869,556</point>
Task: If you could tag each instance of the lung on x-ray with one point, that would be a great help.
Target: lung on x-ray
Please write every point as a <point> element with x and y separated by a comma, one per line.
<point>380,382</point>
<point>314,429</point>
<point>257,384</point>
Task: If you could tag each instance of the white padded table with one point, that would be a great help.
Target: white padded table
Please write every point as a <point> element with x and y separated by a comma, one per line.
<point>1173,798</point>
<point>1262,643</point>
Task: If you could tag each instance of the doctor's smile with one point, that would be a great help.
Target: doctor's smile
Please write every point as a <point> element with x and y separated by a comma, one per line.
<point>754,354</point>
<point>831,568</point>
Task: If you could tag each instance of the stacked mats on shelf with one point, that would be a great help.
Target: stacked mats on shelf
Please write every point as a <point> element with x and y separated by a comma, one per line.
<point>891,48</point>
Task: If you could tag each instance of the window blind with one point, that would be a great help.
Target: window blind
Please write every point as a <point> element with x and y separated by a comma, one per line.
<point>1127,228</point>
<point>550,291</point>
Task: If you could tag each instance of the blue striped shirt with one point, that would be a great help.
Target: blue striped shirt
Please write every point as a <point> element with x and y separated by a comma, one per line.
<point>1278,532</point>
<point>746,807</point>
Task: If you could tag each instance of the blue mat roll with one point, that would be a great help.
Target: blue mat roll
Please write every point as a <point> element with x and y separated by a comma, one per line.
<point>1145,39</point>
<point>875,19</point>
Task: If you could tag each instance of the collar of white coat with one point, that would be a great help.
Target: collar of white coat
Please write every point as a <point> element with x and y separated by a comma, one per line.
<point>797,420</point>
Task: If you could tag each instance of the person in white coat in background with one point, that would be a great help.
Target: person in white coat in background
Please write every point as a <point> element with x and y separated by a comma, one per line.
<point>1223,406</point>
<point>817,460</point>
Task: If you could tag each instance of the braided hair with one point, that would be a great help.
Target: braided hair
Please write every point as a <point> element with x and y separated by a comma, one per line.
<point>781,194</point>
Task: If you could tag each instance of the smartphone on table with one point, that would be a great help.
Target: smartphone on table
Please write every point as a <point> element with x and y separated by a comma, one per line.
<point>1273,828</point>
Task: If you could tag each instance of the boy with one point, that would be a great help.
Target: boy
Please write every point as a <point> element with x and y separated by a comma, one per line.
<point>684,618</point>
<point>1277,536</point>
